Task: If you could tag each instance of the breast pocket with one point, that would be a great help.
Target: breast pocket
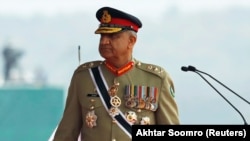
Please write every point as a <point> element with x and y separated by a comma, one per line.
<point>90,101</point>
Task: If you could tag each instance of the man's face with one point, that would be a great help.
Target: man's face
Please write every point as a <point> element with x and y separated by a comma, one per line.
<point>114,45</point>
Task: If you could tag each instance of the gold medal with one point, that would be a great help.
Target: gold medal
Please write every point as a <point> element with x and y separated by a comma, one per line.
<point>91,119</point>
<point>113,111</point>
<point>141,104</point>
<point>113,89</point>
<point>128,102</point>
<point>131,117</point>
<point>152,107</point>
<point>145,121</point>
<point>115,101</point>
<point>148,106</point>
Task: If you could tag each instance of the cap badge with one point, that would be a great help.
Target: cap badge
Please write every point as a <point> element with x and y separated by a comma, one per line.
<point>106,17</point>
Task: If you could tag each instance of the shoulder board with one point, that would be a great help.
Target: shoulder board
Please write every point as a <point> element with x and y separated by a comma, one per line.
<point>88,65</point>
<point>151,68</point>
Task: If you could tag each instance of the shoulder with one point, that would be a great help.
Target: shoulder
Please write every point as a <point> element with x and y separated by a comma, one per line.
<point>151,68</point>
<point>156,70</point>
<point>88,65</point>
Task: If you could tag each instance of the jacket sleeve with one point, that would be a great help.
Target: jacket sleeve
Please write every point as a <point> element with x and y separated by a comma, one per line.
<point>167,112</point>
<point>71,122</point>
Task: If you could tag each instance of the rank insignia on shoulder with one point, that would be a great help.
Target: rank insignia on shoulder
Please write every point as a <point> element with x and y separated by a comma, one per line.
<point>89,64</point>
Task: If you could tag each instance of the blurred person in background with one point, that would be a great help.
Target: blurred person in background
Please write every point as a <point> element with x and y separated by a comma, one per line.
<point>10,57</point>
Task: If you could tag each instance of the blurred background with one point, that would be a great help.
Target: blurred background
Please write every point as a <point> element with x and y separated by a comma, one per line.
<point>39,52</point>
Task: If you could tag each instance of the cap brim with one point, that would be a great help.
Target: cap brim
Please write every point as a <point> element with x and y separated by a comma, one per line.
<point>107,30</point>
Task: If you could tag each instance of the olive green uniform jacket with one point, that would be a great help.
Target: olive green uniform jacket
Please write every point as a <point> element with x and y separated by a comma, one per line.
<point>82,98</point>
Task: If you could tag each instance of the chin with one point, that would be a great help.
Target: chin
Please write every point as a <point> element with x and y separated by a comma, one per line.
<point>106,55</point>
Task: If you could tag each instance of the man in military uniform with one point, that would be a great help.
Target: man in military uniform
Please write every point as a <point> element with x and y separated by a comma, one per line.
<point>105,98</point>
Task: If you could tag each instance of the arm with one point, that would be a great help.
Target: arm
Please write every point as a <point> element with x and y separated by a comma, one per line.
<point>71,122</point>
<point>167,112</point>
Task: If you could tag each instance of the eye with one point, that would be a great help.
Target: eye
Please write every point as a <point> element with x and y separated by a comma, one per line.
<point>114,36</point>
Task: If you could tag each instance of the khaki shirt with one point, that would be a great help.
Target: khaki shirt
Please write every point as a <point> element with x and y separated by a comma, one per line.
<point>83,98</point>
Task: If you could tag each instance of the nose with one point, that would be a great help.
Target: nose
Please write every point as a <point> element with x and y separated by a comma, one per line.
<point>104,39</point>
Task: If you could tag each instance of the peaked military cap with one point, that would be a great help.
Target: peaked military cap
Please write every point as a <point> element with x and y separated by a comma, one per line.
<point>113,20</point>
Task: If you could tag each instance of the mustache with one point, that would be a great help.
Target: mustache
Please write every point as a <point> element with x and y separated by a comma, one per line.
<point>105,47</point>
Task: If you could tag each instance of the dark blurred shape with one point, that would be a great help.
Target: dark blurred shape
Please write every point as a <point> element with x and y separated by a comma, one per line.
<point>11,57</point>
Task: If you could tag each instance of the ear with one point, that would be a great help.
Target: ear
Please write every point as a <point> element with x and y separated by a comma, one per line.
<point>132,41</point>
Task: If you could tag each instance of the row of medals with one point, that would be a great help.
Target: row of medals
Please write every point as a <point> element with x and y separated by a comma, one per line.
<point>115,101</point>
